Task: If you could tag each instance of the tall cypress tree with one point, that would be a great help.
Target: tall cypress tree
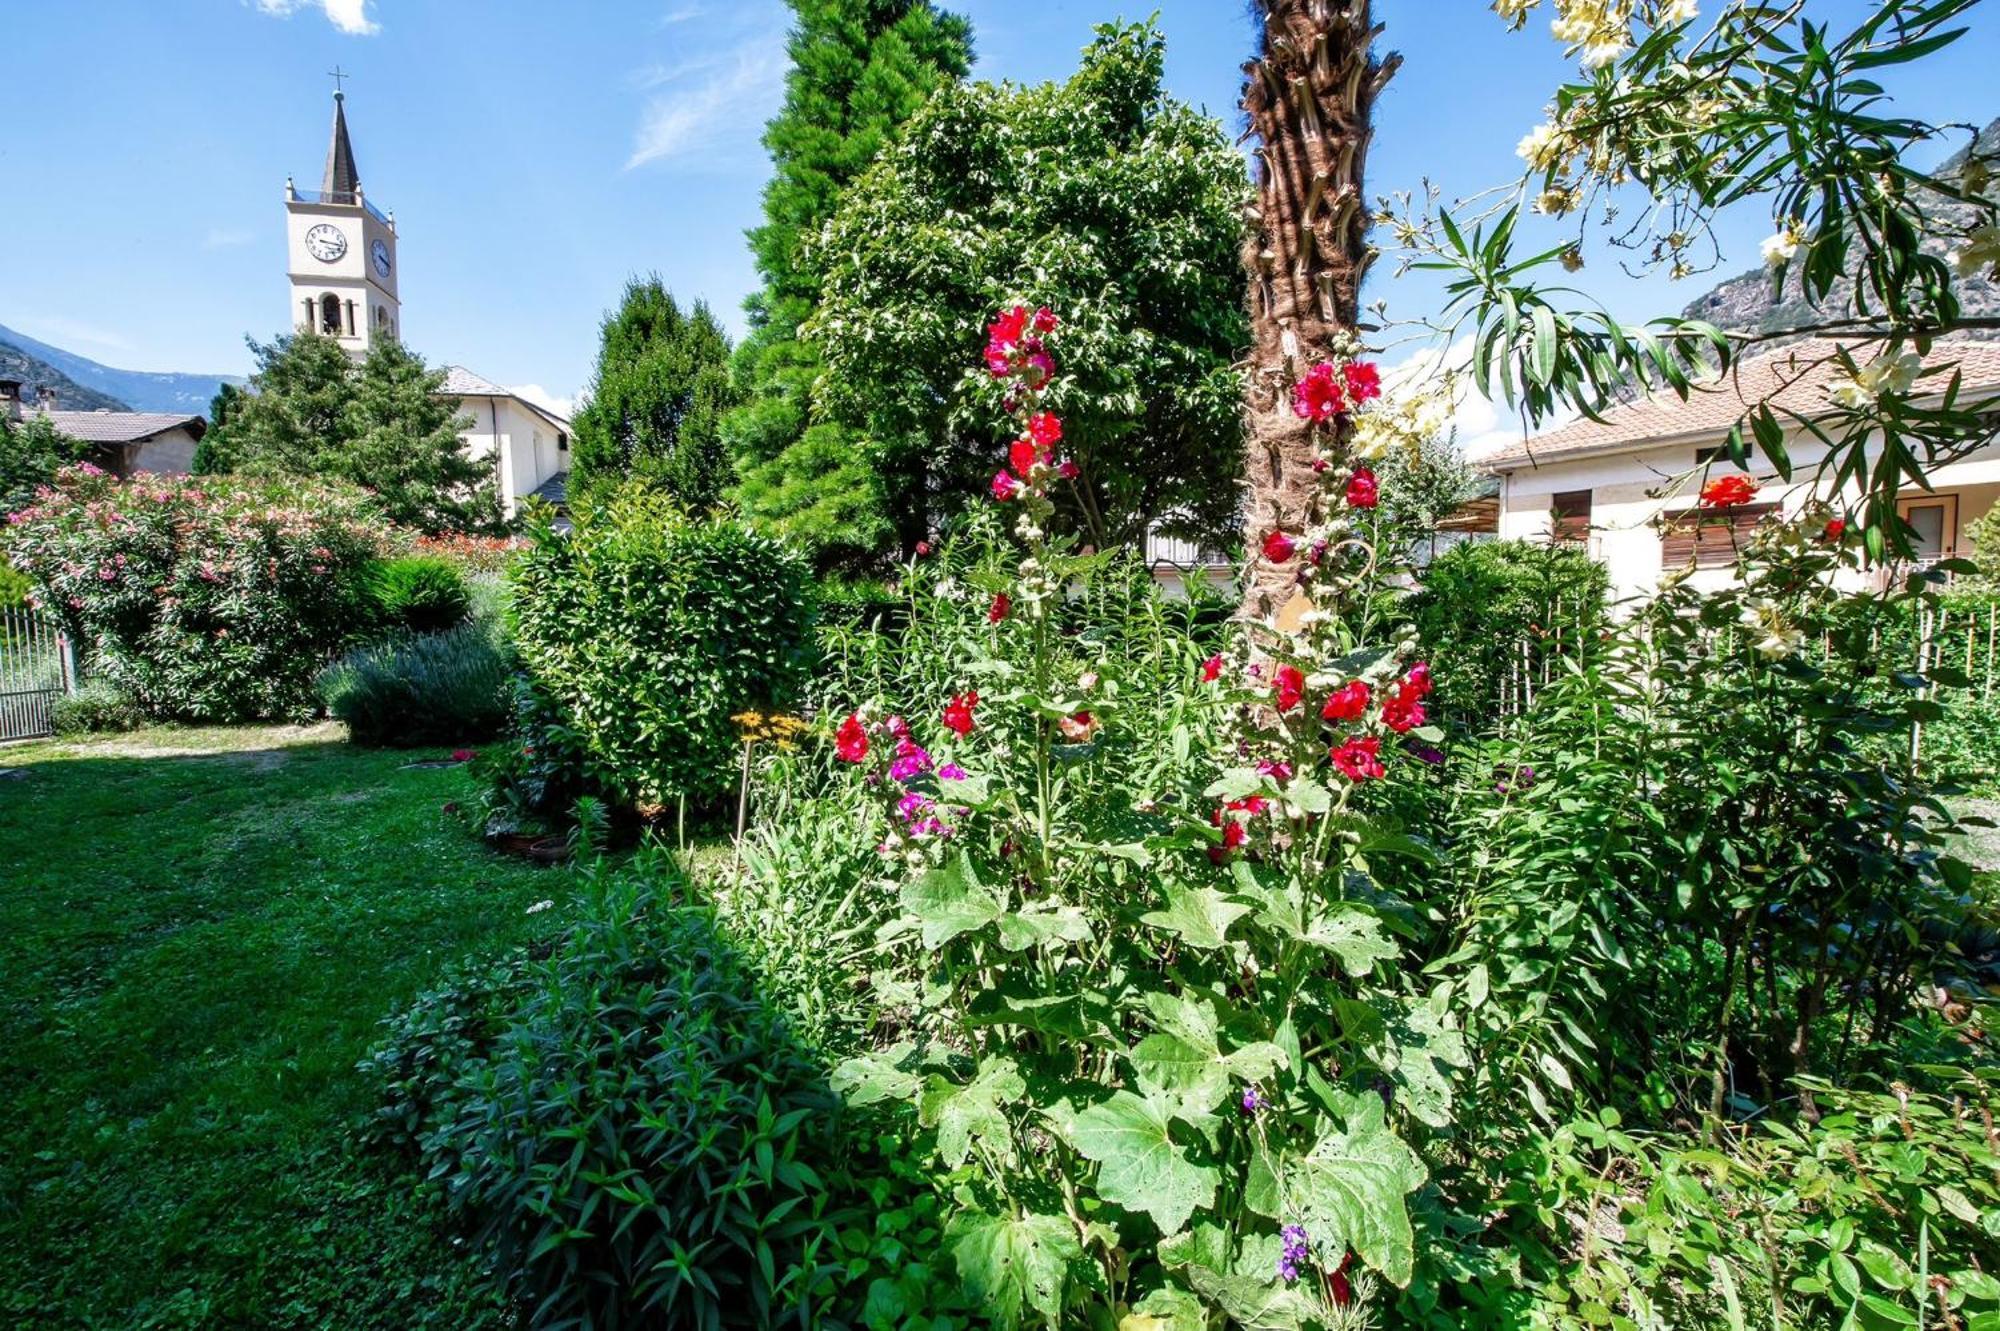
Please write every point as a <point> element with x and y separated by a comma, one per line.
<point>656,402</point>
<point>860,68</point>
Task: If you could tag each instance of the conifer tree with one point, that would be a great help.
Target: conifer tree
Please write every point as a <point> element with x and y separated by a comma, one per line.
<point>656,403</point>
<point>860,68</point>
<point>213,453</point>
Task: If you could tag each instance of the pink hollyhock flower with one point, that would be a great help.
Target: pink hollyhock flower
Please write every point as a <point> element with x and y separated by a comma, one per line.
<point>1279,547</point>
<point>1291,687</point>
<point>1348,703</point>
<point>958,712</point>
<point>1045,428</point>
<point>1045,321</point>
<point>1317,397</point>
<point>1022,454</point>
<point>1277,771</point>
<point>1005,486</point>
<point>851,740</point>
<point>1419,678</point>
<point>1364,382</point>
<point>1362,492</point>
<point>1002,605</point>
<point>1068,470</point>
<point>1211,669</point>
<point>1357,759</point>
<point>910,761</point>
<point>951,772</point>
<point>1040,368</point>
<point>1078,728</point>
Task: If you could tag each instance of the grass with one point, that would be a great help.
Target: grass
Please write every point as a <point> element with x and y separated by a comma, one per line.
<point>199,932</point>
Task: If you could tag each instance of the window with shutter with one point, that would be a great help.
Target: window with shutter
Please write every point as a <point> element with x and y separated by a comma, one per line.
<point>1571,525</point>
<point>1711,538</point>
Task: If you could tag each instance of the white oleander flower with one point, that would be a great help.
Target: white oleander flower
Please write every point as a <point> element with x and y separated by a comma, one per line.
<point>1782,247</point>
<point>1885,374</point>
<point>1541,147</point>
<point>1980,254</point>
<point>1678,11</point>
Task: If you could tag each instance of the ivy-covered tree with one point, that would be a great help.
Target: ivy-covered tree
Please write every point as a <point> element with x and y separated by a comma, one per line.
<point>860,68</point>
<point>1100,197</point>
<point>656,403</point>
<point>30,452</point>
<point>381,424</point>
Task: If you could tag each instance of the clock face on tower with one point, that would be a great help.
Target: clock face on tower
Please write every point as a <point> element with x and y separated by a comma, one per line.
<point>379,252</point>
<point>326,243</point>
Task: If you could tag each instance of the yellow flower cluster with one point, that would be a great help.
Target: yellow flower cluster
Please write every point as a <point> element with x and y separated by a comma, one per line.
<point>777,728</point>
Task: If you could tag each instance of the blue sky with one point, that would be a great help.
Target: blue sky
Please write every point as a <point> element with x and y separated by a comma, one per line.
<point>536,153</point>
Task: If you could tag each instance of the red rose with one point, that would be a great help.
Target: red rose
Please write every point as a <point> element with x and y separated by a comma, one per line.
<point>1211,669</point>
<point>1317,397</point>
<point>1279,547</point>
<point>958,712</point>
<point>1364,382</point>
<point>1362,492</point>
<point>1290,688</point>
<point>1728,491</point>
<point>851,740</point>
<point>1358,759</point>
<point>1348,703</point>
<point>998,611</point>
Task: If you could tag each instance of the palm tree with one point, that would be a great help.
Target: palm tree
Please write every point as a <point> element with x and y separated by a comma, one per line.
<point>1308,95</point>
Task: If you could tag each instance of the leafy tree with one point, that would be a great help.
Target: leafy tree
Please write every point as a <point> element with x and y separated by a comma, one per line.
<point>212,454</point>
<point>1099,197</point>
<point>860,68</point>
<point>30,452</point>
<point>381,424</point>
<point>656,404</point>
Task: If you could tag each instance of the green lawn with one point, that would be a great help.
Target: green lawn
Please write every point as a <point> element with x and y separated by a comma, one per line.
<point>199,931</point>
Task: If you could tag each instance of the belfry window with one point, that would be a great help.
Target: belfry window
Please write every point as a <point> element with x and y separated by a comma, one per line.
<point>329,315</point>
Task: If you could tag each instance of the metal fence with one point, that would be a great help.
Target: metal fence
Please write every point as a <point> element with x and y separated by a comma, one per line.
<point>36,668</point>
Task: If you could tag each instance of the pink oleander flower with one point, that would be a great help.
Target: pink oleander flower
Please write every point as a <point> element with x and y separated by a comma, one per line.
<point>1318,396</point>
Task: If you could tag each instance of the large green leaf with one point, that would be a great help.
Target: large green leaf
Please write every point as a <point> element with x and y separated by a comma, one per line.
<point>1023,929</point>
<point>1200,915</point>
<point>1140,1167</point>
<point>1348,1191</point>
<point>886,1074</point>
<point>1199,1075</point>
<point>1010,1267</point>
<point>973,1112</point>
<point>949,901</point>
<point>1420,1051</point>
<point>1241,1278</point>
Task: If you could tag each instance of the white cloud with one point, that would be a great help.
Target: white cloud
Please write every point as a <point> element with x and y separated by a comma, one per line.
<point>564,407</point>
<point>1477,425</point>
<point>682,14</point>
<point>739,88</point>
<point>350,16</point>
<point>228,237</point>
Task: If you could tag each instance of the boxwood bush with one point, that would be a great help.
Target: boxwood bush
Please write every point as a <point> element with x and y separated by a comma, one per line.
<point>200,598</point>
<point>649,630</point>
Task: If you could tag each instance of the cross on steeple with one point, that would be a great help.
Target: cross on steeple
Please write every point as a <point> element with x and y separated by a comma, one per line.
<point>337,75</point>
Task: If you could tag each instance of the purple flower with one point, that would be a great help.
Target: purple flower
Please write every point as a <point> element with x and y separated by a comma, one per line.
<point>1252,1100</point>
<point>952,772</point>
<point>910,761</point>
<point>1298,1251</point>
<point>1424,753</point>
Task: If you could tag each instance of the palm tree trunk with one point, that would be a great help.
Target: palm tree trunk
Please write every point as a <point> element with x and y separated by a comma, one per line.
<point>1308,95</point>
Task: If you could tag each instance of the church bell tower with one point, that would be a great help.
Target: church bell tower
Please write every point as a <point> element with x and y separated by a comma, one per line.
<point>342,251</point>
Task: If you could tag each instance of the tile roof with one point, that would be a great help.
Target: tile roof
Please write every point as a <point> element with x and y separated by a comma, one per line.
<point>461,382</point>
<point>123,427</point>
<point>1792,378</point>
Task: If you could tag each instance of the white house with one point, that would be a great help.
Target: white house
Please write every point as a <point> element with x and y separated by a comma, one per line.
<point>529,444</point>
<point>122,442</point>
<point>1627,486</point>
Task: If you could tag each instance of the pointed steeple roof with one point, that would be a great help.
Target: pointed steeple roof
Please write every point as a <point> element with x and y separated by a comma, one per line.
<point>342,180</point>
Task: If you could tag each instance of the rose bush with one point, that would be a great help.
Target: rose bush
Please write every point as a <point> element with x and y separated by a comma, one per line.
<point>200,598</point>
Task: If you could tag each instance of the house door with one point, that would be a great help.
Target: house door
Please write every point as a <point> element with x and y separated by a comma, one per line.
<point>1934,518</point>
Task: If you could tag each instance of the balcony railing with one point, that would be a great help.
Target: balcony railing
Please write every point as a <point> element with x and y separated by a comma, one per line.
<point>345,197</point>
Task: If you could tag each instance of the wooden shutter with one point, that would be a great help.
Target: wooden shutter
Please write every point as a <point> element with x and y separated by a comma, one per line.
<point>1572,517</point>
<point>1712,538</point>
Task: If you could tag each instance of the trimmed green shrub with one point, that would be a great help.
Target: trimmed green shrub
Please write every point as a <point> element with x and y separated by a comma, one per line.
<point>418,594</point>
<point>428,689</point>
<point>201,598</point>
<point>639,1145</point>
<point>649,630</point>
<point>97,708</point>
<point>14,587</point>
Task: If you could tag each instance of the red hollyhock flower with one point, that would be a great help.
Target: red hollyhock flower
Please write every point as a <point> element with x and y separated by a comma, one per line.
<point>1045,428</point>
<point>1068,470</point>
<point>1419,678</point>
<point>1404,711</point>
<point>1362,492</point>
<point>1317,397</point>
<point>1343,1289</point>
<point>1364,382</point>
<point>958,712</point>
<point>1023,454</point>
<point>1728,491</point>
<point>1045,321</point>
<point>1349,702</point>
<point>1211,669</point>
<point>1291,687</point>
<point>1005,486</point>
<point>851,740</point>
<point>998,611</point>
<point>1836,529</point>
<point>1008,330</point>
<point>923,548</point>
<point>1358,759</point>
<point>1279,547</point>
<point>1234,834</point>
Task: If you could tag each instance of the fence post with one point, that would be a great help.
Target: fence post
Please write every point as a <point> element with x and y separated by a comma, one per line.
<point>68,656</point>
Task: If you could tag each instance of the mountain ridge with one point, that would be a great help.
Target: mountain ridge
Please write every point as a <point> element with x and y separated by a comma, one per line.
<point>83,384</point>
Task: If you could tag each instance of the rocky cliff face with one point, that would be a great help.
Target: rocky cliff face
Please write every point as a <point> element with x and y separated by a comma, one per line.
<point>1748,303</point>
